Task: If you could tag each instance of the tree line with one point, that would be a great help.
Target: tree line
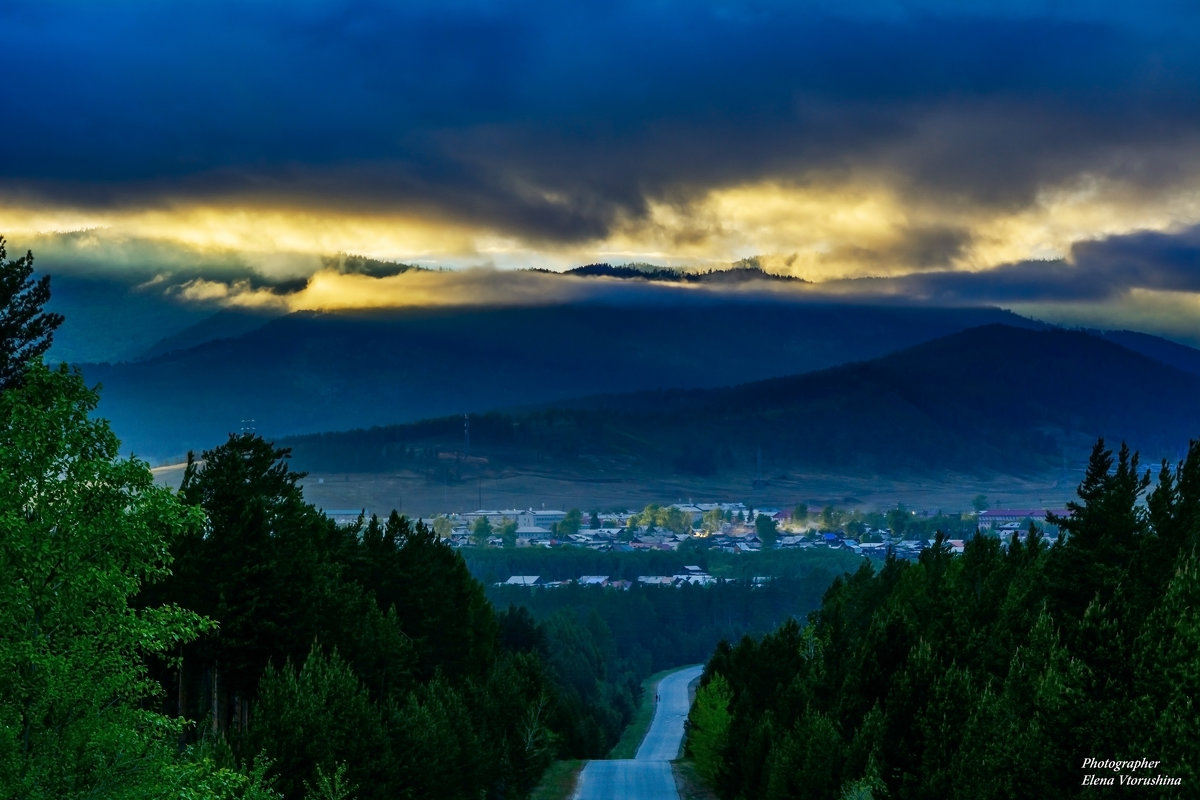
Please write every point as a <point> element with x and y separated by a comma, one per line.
<point>993,674</point>
<point>227,640</point>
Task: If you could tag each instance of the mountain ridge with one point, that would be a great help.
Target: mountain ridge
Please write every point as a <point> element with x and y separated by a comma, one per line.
<point>994,398</point>
<point>313,371</point>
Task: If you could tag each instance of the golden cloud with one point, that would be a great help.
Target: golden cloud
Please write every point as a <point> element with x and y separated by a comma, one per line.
<point>826,229</point>
<point>1172,314</point>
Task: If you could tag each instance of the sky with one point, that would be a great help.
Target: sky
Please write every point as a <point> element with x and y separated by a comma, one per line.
<point>1039,156</point>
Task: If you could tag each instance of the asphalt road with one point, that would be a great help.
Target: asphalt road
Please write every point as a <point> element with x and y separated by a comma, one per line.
<point>648,776</point>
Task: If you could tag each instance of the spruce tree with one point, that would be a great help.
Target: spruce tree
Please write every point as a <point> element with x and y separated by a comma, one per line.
<point>26,329</point>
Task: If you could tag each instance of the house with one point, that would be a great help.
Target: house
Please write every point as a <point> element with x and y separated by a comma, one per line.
<point>532,532</point>
<point>995,517</point>
<point>494,517</point>
<point>523,580</point>
<point>593,580</point>
<point>345,516</point>
<point>545,518</point>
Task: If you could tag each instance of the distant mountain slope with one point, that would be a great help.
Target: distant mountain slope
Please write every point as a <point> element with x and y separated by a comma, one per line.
<point>227,323</point>
<point>308,371</point>
<point>1168,352</point>
<point>743,273</point>
<point>107,320</point>
<point>995,398</point>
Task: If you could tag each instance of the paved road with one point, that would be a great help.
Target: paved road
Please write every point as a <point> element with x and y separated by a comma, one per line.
<point>648,777</point>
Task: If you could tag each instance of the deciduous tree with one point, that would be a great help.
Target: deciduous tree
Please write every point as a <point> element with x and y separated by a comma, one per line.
<point>80,531</point>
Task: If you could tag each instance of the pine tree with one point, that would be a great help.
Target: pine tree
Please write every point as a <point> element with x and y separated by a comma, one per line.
<point>26,329</point>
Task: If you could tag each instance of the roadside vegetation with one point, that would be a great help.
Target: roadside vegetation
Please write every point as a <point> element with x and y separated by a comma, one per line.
<point>228,640</point>
<point>631,738</point>
<point>994,674</point>
<point>558,781</point>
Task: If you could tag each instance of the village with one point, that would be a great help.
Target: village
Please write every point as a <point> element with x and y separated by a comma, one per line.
<point>729,527</point>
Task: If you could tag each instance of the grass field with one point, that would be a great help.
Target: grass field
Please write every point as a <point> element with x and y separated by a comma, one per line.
<point>414,496</point>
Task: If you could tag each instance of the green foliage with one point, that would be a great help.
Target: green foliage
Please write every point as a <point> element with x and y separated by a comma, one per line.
<point>764,526</point>
<point>986,675</point>
<point>1168,670</point>
<point>409,693</point>
<point>571,523</point>
<point>82,531</point>
<point>26,328</point>
<point>481,531</point>
<point>708,729</point>
<point>310,721</point>
<point>442,526</point>
<point>330,787</point>
<point>508,532</point>
<point>831,518</point>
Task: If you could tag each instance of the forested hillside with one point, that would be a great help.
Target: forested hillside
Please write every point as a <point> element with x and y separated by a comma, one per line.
<point>230,641</point>
<point>309,372</point>
<point>996,398</point>
<point>994,674</point>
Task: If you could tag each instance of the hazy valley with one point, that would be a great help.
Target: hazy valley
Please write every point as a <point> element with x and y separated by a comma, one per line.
<point>604,404</point>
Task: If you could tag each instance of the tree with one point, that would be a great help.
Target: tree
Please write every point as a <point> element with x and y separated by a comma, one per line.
<point>708,728</point>
<point>764,526</point>
<point>481,531</point>
<point>262,567</point>
<point>571,523</point>
<point>507,531</point>
<point>677,521</point>
<point>82,531</point>
<point>980,502</point>
<point>831,518</point>
<point>26,329</point>
<point>309,721</point>
<point>1103,531</point>
<point>442,526</point>
<point>898,520</point>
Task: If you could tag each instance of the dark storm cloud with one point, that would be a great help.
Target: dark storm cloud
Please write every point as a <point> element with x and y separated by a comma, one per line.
<point>554,120</point>
<point>1096,271</point>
